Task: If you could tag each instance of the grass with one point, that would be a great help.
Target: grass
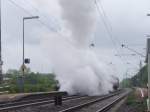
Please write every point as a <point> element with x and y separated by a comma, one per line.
<point>136,104</point>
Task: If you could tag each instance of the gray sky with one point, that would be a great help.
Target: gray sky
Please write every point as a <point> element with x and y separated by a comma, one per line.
<point>127,18</point>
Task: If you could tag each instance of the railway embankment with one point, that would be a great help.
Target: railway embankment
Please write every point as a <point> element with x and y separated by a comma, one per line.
<point>135,102</point>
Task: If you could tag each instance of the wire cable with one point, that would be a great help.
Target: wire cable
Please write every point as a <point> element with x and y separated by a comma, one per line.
<point>108,21</point>
<point>50,28</point>
<point>140,54</point>
<point>109,24</point>
<point>107,28</point>
<point>36,9</point>
<point>43,23</point>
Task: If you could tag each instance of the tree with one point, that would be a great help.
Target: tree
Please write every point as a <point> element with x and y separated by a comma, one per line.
<point>33,82</point>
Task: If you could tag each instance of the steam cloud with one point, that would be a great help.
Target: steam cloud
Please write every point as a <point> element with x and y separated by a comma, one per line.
<point>76,65</point>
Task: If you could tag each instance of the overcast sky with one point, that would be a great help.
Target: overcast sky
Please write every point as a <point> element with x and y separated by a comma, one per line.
<point>126,17</point>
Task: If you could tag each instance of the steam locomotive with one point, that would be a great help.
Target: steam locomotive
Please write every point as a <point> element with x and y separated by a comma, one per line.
<point>115,83</point>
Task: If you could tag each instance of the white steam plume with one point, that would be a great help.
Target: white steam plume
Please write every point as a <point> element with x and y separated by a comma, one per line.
<point>80,17</point>
<point>76,66</point>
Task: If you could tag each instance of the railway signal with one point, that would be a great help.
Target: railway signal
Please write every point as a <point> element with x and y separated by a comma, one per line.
<point>27,61</point>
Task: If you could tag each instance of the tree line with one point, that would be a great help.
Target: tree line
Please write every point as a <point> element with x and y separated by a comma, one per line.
<point>30,82</point>
<point>140,79</point>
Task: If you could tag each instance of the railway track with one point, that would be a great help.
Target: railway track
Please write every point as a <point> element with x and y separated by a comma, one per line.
<point>70,104</point>
<point>25,101</point>
<point>99,105</point>
<point>22,104</point>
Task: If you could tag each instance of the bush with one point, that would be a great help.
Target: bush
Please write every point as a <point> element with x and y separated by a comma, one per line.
<point>33,82</point>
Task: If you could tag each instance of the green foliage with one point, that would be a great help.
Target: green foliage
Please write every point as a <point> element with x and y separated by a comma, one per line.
<point>33,82</point>
<point>131,99</point>
<point>140,79</point>
<point>134,103</point>
<point>126,83</point>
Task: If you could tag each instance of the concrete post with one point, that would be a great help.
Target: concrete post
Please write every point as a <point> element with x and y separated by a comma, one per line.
<point>1,62</point>
<point>148,81</point>
<point>148,62</point>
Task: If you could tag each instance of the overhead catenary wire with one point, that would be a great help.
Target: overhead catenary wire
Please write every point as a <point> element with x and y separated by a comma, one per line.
<point>42,23</point>
<point>107,21</point>
<point>52,29</point>
<point>104,13</point>
<point>140,54</point>
<point>108,31</point>
<point>109,28</point>
<point>36,9</point>
<point>14,3</point>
